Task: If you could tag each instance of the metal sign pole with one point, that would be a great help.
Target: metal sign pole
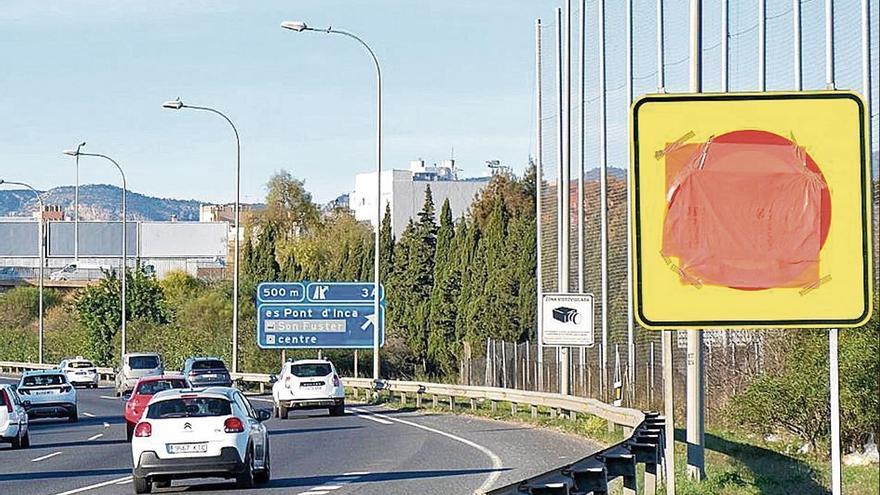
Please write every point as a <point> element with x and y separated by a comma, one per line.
<point>603,193</point>
<point>695,371</point>
<point>834,372</point>
<point>539,181</point>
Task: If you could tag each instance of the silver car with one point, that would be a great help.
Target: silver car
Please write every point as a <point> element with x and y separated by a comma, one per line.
<point>136,365</point>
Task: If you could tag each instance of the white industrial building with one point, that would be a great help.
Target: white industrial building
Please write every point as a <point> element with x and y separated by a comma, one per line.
<point>404,190</point>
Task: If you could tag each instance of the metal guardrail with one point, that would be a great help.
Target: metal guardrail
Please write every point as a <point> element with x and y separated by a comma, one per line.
<point>590,475</point>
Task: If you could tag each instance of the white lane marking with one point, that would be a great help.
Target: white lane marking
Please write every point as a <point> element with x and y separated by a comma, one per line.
<point>99,435</point>
<point>315,492</point>
<point>118,481</point>
<point>109,397</point>
<point>90,415</point>
<point>47,456</point>
<point>496,461</point>
<point>107,425</point>
<point>356,473</point>
<point>324,487</point>
<point>366,415</point>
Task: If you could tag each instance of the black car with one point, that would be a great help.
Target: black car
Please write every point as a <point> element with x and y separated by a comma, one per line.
<point>206,372</point>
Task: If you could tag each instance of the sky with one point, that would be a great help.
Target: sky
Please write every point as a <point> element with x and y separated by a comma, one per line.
<point>458,80</point>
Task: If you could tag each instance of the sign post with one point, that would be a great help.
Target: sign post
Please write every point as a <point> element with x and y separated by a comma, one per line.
<point>318,315</point>
<point>751,210</point>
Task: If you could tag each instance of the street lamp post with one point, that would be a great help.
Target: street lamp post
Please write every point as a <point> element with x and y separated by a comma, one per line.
<point>177,105</point>
<point>76,207</point>
<point>42,248</point>
<point>77,153</point>
<point>299,26</point>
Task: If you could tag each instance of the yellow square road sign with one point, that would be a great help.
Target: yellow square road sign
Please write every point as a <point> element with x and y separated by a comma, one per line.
<point>751,210</point>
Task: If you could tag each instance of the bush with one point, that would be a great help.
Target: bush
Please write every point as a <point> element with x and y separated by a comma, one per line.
<point>20,306</point>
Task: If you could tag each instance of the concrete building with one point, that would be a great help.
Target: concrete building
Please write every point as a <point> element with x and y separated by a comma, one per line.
<point>404,190</point>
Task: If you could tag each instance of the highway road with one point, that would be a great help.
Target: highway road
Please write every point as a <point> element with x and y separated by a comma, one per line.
<point>369,450</point>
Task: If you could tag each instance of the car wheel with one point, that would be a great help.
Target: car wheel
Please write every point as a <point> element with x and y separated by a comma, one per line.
<point>245,479</point>
<point>264,475</point>
<point>338,410</point>
<point>142,485</point>
<point>129,431</point>
<point>16,441</point>
<point>26,440</point>
<point>73,417</point>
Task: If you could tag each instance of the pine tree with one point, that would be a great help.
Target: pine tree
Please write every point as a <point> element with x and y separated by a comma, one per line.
<point>442,343</point>
<point>386,245</point>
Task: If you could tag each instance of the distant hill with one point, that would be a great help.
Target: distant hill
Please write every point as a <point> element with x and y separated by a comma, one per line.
<point>100,202</point>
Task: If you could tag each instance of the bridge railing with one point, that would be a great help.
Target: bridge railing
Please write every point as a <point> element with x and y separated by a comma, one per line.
<point>592,474</point>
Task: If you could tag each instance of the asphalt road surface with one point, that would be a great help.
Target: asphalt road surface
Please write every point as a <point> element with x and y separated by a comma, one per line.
<point>369,450</point>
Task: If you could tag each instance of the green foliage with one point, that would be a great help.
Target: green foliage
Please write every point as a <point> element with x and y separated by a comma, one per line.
<point>19,306</point>
<point>98,309</point>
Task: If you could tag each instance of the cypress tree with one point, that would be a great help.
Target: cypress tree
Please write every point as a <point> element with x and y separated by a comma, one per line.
<point>442,344</point>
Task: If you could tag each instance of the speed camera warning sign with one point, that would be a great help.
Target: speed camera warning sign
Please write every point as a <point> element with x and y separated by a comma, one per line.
<point>751,210</point>
<point>567,319</point>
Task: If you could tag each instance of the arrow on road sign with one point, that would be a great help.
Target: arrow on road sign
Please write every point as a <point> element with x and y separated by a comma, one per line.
<point>371,320</point>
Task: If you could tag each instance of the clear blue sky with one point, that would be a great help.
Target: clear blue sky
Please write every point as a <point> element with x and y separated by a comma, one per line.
<point>457,74</point>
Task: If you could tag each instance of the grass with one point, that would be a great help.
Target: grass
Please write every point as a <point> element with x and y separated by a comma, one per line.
<point>737,463</point>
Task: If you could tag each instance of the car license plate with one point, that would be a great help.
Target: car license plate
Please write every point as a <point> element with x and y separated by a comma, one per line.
<point>83,372</point>
<point>187,448</point>
<point>42,392</point>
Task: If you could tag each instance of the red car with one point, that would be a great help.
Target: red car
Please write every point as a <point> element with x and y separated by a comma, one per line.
<point>143,391</point>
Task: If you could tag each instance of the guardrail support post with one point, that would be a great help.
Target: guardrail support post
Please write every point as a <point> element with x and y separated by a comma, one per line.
<point>552,413</point>
<point>573,415</point>
<point>403,398</point>
<point>650,479</point>
<point>473,404</point>
<point>419,400</point>
<point>451,403</point>
<point>534,411</point>
<point>513,409</point>
<point>262,388</point>
<point>627,431</point>
<point>494,407</point>
<point>434,401</point>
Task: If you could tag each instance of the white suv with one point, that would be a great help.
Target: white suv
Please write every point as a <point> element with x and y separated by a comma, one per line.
<point>47,393</point>
<point>13,419</point>
<point>308,384</point>
<point>80,371</point>
<point>200,433</point>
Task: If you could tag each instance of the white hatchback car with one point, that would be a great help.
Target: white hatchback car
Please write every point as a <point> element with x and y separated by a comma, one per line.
<point>200,433</point>
<point>80,371</point>
<point>308,384</point>
<point>13,419</point>
<point>47,393</point>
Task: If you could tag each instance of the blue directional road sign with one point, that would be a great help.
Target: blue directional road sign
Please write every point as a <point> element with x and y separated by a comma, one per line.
<point>317,315</point>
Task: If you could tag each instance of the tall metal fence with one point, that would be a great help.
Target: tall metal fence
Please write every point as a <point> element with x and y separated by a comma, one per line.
<point>600,138</point>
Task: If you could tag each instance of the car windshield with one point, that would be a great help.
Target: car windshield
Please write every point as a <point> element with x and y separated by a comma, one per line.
<point>189,407</point>
<point>43,380</point>
<point>80,364</point>
<point>309,370</point>
<point>208,364</point>
<point>153,387</point>
<point>143,362</point>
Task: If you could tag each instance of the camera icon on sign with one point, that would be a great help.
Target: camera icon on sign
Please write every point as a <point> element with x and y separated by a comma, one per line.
<point>567,315</point>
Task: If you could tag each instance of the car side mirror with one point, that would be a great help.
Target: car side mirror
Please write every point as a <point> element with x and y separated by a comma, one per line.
<point>125,397</point>
<point>263,414</point>
<point>26,404</point>
<point>14,387</point>
<point>273,378</point>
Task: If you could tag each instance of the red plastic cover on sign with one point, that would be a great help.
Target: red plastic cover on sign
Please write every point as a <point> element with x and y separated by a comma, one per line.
<point>748,210</point>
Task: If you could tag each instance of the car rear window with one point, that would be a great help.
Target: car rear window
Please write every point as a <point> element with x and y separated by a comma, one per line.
<point>208,364</point>
<point>143,362</point>
<point>3,397</point>
<point>153,387</point>
<point>310,370</point>
<point>195,407</point>
<point>43,380</point>
<point>80,364</point>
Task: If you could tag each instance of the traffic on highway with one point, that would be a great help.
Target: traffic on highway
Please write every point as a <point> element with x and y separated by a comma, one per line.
<point>164,435</point>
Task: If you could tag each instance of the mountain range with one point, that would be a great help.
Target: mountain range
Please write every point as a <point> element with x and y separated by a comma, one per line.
<point>100,202</point>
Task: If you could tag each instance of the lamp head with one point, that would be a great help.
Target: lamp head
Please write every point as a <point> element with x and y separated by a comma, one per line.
<point>174,104</point>
<point>71,152</point>
<point>2,181</point>
<point>297,26</point>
